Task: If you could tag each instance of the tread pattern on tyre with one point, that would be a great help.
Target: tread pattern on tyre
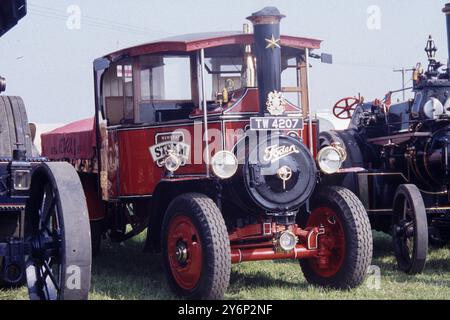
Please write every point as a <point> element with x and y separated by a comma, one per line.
<point>358,248</point>
<point>215,243</point>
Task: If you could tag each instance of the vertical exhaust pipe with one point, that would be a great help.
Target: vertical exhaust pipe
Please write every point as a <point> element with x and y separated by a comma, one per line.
<point>446,10</point>
<point>267,44</point>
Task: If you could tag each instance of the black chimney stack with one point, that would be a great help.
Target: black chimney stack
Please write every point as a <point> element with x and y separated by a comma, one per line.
<point>266,25</point>
<point>446,10</point>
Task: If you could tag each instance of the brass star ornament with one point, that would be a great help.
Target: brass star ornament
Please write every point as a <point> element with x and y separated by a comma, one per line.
<point>273,43</point>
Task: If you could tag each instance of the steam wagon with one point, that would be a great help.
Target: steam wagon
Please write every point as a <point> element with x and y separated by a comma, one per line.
<point>194,140</point>
<point>44,224</point>
<point>402,151</point>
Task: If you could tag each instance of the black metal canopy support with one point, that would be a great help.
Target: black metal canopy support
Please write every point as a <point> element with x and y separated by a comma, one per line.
<point>11,11</point>
<point>446,10</point>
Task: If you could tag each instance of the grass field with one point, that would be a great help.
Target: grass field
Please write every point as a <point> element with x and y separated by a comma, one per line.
<point>123,272</point>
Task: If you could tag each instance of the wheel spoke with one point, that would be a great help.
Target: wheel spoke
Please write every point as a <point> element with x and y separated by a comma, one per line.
<point>41,284</point>
<point>47,208</point>
<point>51,276</point>
<point>342,112</point>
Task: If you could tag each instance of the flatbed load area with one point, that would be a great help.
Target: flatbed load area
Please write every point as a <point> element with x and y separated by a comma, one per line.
<point>75,141</point>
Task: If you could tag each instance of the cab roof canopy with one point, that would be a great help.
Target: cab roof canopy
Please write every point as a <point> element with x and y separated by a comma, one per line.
<point>193,42</point>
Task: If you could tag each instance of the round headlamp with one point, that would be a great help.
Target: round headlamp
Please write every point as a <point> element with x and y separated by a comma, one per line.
<point>172,163</point>
<point>433,109</point>
<point>224,164</point>
<point>288,241</point>
<point>330,160</point>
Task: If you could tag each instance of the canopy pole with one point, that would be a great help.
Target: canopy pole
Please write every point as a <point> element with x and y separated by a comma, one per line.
<point>205,110</point>
<point>310,122</point>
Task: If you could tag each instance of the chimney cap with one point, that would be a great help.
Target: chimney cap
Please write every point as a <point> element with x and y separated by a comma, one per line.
<point>266,15</point>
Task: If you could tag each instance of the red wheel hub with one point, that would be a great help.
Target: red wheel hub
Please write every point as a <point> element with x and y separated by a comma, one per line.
<point>184,249</point>
<point>344,108</point>
<point>331,244</point>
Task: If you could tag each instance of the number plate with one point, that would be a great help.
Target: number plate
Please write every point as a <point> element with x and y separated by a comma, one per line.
<point>276,123</point>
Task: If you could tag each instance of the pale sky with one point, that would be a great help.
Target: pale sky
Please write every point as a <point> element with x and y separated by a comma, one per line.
<point>50,66</point>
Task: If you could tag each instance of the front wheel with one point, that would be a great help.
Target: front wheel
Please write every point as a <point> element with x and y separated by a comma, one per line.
<point>410,229</point>
<point>196,248</point>
<point>347,241</point>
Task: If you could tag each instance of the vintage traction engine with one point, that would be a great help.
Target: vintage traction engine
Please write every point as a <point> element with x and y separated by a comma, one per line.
<point>44,224</point>
<point>403,154</point>
<point>194,141</point>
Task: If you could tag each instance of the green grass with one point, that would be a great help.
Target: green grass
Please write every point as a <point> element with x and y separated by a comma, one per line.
<point>123,272</point>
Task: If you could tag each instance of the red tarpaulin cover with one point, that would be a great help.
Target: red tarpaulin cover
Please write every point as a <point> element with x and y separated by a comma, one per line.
<point>73,141</point>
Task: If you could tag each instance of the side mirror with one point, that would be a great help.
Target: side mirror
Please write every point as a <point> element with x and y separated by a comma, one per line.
<point>326,58</point>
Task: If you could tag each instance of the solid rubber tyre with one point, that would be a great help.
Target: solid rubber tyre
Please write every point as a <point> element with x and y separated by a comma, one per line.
<point>410,229</point>
<point>57,226</point>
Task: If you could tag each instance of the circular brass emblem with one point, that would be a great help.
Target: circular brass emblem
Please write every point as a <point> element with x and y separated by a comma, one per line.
<point>285,174</point>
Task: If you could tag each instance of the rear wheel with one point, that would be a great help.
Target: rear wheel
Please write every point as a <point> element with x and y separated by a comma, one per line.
<point>196,248</point>
<point>347,240</point>
<point>14,128</point>
<point>410,229</point>
<point>57,226</point>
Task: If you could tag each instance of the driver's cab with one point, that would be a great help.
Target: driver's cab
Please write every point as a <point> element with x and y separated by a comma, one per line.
<point>167,85</point>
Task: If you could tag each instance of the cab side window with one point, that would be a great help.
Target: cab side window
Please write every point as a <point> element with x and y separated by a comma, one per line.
<point>165,88</point>
<point>223,72</point>
<point>118,98</point>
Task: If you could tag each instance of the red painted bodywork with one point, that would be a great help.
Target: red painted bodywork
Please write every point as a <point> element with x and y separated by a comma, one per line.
<point>73,141</point>
<point>260,254</point>
<point>138,175</point>
<point>264,247</point>
<point>332,244</point>
<point>133,173</point>
<point>97,208</point>
<point>131,169</point>
<point>182,228</point>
